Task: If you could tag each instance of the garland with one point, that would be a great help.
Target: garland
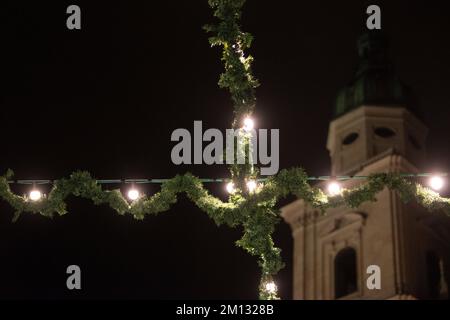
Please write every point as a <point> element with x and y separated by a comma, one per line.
<point>256,212</point>
<point>238,77</point>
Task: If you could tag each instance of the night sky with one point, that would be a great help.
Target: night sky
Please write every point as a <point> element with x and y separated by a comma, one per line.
<point>107,98</point>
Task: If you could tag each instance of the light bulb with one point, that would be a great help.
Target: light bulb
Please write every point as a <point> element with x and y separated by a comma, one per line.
<point>252,185</point>
<point>334,188</point>
<point>436,183</point>
<point>230,187</point>
<point>133,194</point>
<point>271,287</point>
<point>248,124</point>
<point>35,195</point>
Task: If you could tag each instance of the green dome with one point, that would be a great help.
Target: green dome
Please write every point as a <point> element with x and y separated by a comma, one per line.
<point>375,82</point>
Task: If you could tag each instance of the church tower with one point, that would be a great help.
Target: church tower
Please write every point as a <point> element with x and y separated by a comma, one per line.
<point>375,129</point>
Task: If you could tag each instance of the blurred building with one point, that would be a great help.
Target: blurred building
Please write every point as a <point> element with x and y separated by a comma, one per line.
<point>375,129</point>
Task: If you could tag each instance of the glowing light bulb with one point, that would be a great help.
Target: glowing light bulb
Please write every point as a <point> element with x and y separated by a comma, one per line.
<point>334,188</point>
<point>248,124</point>
<point>230,187</point>
<point>436,183</point>
<point>35,195</point>
<point>271,287</point>
<point>252,185</point>
<point>133,194</point>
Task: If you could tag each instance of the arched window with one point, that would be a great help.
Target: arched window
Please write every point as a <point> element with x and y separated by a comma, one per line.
<point>345,274</point>
<point>384,132</point>
<point>350,138</point>
<point>433,275</point>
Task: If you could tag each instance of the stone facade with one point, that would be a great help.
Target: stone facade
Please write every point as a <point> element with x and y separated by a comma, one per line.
<point>366,133</point>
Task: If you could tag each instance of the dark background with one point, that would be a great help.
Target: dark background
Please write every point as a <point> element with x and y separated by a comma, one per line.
<point>107,98</point>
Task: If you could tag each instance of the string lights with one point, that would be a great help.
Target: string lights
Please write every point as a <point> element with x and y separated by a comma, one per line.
<point>268,289</point>
<point>333,187</point>
<point>249,124</point>
<point>133,194</point>
<point>35,195</point>
<point>436,182</point>
<point>230,187</point>
<point>251,186</point>
<point>271,287</point>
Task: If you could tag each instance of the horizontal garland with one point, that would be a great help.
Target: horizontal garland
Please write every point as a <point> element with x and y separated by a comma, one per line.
<point>255,212</point>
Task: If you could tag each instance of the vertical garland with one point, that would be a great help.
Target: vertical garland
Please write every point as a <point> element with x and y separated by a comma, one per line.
<point>237,78</point>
